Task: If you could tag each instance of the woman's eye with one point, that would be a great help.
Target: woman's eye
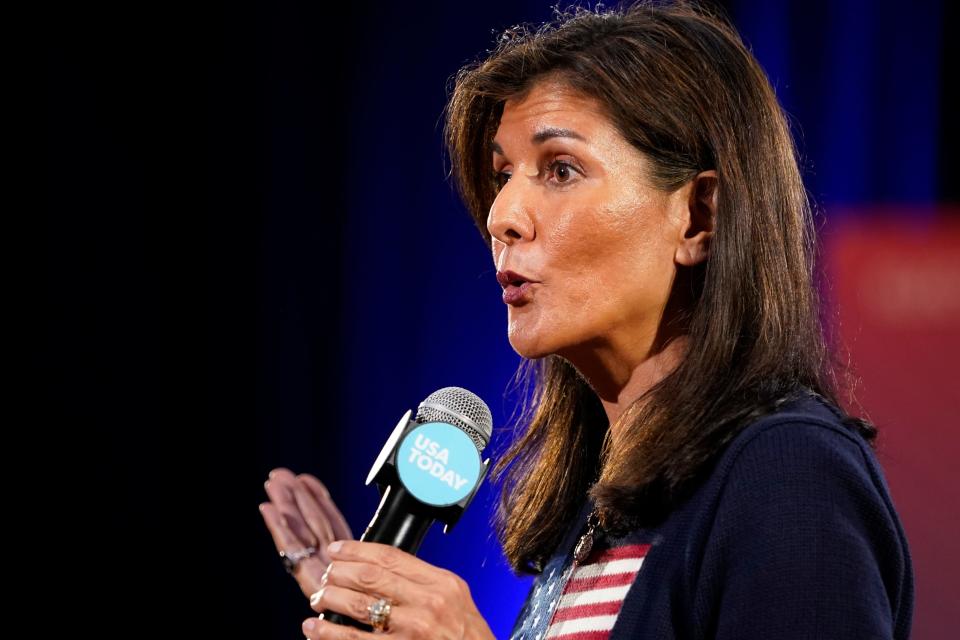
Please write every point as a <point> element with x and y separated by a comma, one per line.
<point>562,170</point>
<point>559,168</point>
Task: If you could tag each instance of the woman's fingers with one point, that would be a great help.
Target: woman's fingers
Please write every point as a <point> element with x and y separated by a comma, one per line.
<point>315,629</point>
<point>284,539</point>
<point>315,517</point>
<point>354,605</point>
<point>280,489</point>
<point>341,600</point>
<point>341,530</point>
<point>309,575</point>
<point>392,560</point>
<point>426,601</point>
<point>309,571</point>
<point>370,578</point>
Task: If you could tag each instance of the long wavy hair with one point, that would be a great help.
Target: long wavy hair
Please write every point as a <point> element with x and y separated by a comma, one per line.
<point>678,83</point>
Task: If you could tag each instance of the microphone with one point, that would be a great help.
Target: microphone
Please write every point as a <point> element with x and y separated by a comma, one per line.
<point>428,470</point>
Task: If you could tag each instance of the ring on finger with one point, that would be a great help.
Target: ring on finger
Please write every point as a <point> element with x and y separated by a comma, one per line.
<point>292,558</point>
<point>379,614</point>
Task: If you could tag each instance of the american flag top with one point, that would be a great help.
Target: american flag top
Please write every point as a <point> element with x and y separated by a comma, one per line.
<point>580,602</point>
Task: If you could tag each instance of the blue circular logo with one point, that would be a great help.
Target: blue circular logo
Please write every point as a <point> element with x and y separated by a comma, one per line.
<point>438,463</point>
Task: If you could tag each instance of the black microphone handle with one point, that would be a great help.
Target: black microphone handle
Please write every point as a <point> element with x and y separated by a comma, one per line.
<point>401,521</point>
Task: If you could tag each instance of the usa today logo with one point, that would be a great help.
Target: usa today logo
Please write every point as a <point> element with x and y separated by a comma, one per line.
<point>438,463</point>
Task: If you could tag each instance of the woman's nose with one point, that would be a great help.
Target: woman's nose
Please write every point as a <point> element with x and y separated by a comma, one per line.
<point>511,218</point>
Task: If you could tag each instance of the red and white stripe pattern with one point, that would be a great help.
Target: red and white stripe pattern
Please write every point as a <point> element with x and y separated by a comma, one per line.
<point>593,595</point>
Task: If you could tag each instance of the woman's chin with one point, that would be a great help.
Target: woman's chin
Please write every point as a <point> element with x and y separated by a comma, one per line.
<point>529,346</point>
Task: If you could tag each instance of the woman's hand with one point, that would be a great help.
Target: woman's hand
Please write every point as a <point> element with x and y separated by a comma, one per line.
<point>426,601</point>
<point>301,514</point>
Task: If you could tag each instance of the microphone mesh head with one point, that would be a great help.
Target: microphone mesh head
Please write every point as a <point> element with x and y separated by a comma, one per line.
<point>462,409</point>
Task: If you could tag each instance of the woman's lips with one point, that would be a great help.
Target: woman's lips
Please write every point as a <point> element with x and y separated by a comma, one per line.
<point>516,295</point>
<point>516,286</point>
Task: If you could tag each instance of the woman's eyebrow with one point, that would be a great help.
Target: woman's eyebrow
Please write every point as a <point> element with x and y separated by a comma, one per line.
<point>542,136</point>
<point>555,132</point>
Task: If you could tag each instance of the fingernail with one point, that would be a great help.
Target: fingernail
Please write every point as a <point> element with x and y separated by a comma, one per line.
<point>308,625</point>
<point>271,474</point>
<point>334,546</point>
<point>315,598</point>
<point>266,484</point>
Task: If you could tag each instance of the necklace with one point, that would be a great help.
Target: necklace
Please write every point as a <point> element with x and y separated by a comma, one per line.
<point>585,544</point>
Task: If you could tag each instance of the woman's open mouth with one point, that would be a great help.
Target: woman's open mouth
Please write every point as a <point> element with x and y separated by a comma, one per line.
<point>516,287</point>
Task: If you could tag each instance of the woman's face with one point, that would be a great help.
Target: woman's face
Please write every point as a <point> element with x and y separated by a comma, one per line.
<point>577,217</point>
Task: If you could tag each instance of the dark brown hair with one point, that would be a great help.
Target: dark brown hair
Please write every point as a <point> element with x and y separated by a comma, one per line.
<point>679,84</point>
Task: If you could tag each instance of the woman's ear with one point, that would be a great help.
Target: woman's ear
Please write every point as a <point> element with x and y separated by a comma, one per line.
<point>697,229</point>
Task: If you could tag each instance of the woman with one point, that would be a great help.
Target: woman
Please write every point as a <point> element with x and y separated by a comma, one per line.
<point>637,182</point>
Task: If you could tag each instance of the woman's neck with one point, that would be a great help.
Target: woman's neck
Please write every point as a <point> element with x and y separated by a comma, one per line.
<point>619,378</point>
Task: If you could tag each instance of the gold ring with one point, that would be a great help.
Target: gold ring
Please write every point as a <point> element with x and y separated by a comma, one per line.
<point>379,614</point>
